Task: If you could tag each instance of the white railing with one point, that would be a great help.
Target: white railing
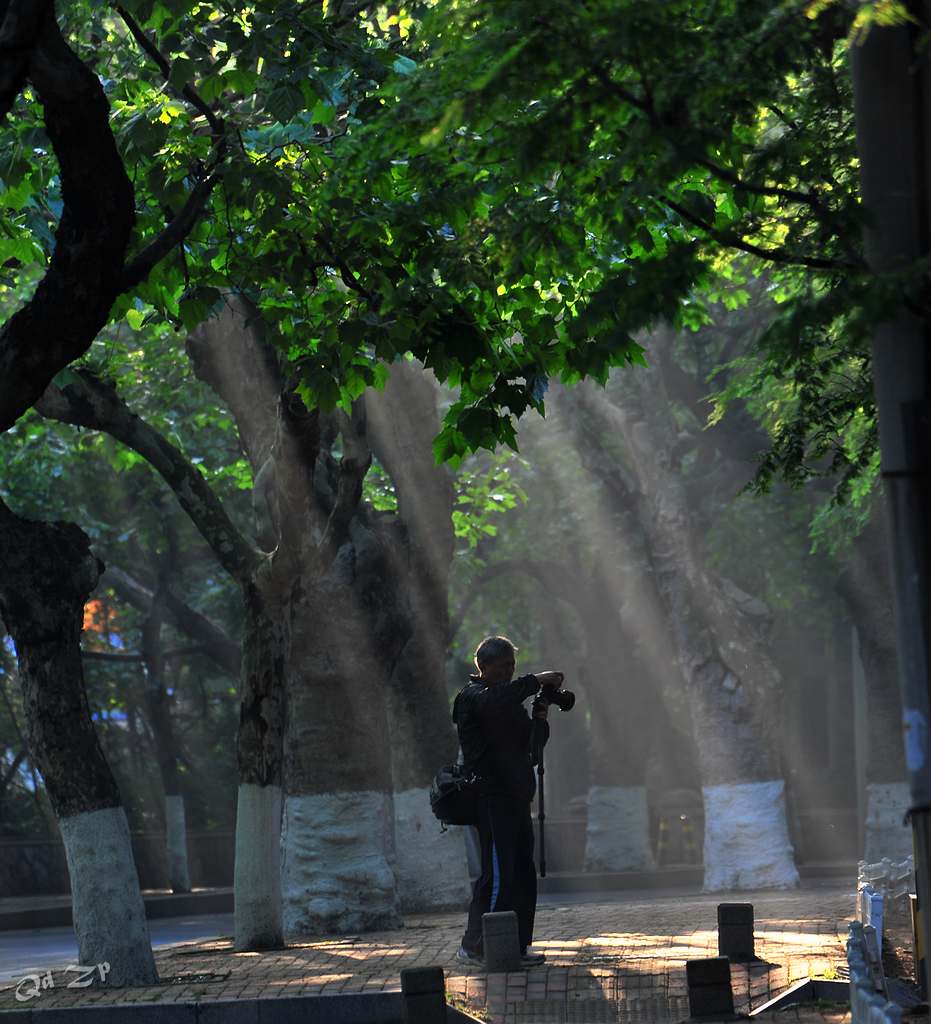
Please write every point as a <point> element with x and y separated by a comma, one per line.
<point>868,1002</point>
<point>870,912</point>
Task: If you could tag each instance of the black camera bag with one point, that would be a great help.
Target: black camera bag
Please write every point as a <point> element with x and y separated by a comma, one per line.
<point>454,795</point>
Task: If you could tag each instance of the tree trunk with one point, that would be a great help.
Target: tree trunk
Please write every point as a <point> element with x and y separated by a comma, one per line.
<point>863,585</point>
<point>165,750</point>
<point>257,874</point>
<point>337,875</point>
<point>732,684</point>
<point>617,836</point>
<point>47,574</point>
<point>430,864</point>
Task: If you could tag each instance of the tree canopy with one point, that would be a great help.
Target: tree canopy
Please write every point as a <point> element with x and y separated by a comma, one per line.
<point>442,180</point>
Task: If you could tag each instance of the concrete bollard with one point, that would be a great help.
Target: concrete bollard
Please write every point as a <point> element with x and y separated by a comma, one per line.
<point>424,991</point>
<point>709,984</point>
<point>735,932</point>
<point>502,945</point>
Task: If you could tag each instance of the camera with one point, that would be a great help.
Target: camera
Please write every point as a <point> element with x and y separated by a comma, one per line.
<point>563,699</point>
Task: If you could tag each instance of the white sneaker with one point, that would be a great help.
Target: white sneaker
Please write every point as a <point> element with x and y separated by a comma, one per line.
<point>464,957</point>
<point>531,959</point>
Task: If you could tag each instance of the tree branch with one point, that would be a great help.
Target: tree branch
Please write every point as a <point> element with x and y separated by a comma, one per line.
<point>808,198</point>
<point>222,651</point>
<point>231,354</point>
<point>88,402</point>
<point>20,23</point>
<point>177,652</point>
<point>736,242</point>
<point>173,234</point>
<point>11,772</point>
<point>181,225</point>
<point>72,302</point>
<point>188,92</point>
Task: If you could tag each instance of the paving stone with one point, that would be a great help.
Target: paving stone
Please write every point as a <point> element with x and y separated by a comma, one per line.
<point>635,951</point>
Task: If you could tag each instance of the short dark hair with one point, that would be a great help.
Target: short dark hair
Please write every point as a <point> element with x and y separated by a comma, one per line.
<point>492,648</point>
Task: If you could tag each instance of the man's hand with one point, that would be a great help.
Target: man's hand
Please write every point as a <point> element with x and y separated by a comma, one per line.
<point>541,709</point>
<point>553,679</point>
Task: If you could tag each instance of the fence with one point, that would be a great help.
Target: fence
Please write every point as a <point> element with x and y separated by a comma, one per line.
<point>868,1004</point>
<point>877,886</point>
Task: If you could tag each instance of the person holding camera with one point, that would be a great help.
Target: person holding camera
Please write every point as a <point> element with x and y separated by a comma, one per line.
<point>498,741</point>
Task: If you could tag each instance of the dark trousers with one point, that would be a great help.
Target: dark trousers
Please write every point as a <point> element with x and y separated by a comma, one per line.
<point>509,876</point>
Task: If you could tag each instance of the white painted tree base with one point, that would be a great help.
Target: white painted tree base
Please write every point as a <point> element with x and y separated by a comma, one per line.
<point>431,865</point>
<point>336,876</point>
<point>109,915</point>
<point>747,838</point>
<point>257,874</point>
<point>886,835</point>
<point>617,836</point>
<point>179,879</point>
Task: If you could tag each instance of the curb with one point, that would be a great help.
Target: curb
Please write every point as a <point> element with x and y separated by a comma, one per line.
<point>214,901</point>
<point>359,1008</point>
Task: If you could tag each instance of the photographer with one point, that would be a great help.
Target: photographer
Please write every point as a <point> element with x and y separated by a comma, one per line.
<point>496,736</point>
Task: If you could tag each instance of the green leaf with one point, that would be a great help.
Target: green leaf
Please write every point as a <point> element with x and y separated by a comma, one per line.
<point>284,102</point>
<point>182,71</point>
<point>135,318</point>
<point>403,66</point>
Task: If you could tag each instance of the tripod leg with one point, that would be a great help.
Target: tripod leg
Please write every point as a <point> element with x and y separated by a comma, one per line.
<point>541,816</point>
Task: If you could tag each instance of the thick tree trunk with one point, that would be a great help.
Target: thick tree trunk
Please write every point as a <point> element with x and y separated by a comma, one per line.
<point>863,584</point>
<point>337,875</point>
<point>617,836</point>
<point>431,864</point>
<point>257,875</point>
<point>732,683</point>
<point>47,572</point>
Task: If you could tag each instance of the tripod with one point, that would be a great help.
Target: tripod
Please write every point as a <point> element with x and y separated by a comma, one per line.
<point>537,742</point>
<point>565,701</point>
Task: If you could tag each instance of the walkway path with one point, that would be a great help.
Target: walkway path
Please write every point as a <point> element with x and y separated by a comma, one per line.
<point>630,951</point>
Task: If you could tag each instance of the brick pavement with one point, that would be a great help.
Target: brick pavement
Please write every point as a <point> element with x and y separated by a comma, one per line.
<point>625,958</point>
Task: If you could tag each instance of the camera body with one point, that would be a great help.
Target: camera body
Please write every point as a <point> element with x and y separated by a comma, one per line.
<point>563,699</point>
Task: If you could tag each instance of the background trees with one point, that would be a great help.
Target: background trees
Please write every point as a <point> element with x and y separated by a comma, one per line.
<point>321,192</point>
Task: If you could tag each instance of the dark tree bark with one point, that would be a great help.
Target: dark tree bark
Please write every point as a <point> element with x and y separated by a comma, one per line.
<point>892,92</point>
<point>71,304</point>
<point>73,300</point>
<point>265,581</point>
<point>48,574</point>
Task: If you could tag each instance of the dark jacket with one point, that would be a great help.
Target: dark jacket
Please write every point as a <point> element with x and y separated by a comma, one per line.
<point>495,734</point>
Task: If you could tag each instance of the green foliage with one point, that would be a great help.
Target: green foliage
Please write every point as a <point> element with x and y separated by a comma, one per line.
<point>441,179</point>
<point>485,490</point>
